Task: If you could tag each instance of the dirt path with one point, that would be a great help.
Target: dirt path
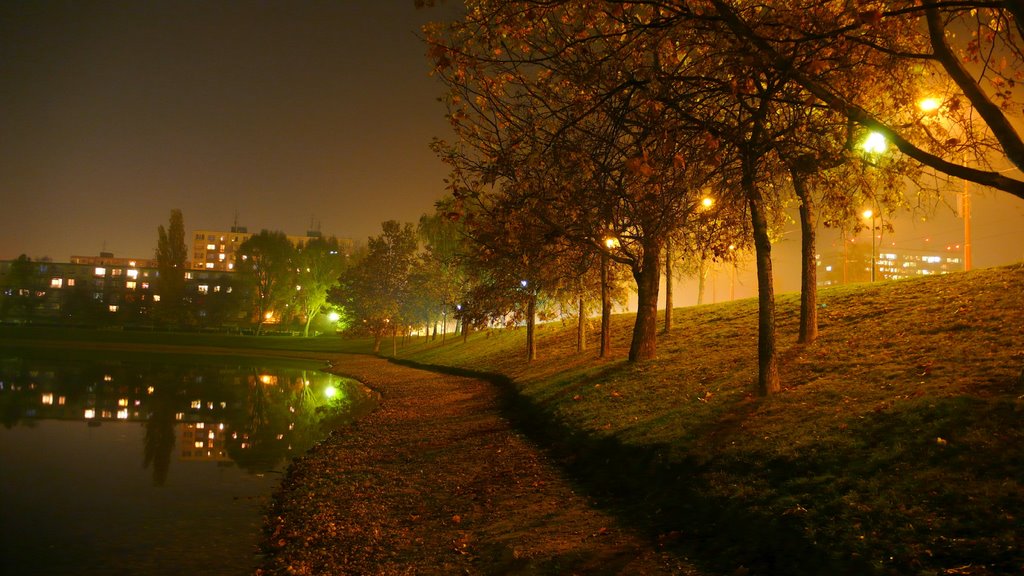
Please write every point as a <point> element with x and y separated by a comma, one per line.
<point>436,481</point>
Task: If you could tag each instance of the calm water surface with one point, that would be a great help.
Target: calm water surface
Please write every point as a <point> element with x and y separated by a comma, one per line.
<point>151,467</point>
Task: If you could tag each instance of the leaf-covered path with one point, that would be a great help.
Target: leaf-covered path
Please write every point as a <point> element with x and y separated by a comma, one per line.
<point>436,481</point>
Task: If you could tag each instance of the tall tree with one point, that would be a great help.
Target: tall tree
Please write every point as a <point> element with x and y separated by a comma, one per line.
<point>19,294</point>
<point>319,264</point>
<point>172,262</point>
<point>378,283</point>
<point>268,263</point>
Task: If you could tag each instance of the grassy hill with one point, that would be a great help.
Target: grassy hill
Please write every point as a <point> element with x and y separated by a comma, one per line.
<point>896,445</point>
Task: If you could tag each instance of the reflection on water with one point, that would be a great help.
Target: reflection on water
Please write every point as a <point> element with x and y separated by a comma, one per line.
<point>150,468</point>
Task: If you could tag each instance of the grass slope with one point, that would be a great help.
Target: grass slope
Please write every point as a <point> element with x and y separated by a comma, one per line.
<point>895,447</point>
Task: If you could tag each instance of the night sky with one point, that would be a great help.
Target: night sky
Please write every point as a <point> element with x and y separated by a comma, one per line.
<point>287,114</point>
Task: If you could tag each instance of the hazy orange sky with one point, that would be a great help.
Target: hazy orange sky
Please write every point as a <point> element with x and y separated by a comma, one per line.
<point>288,114</point>
<point>285,113</point>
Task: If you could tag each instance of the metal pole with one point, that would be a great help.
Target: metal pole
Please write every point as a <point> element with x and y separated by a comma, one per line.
<point>967,227</point>
<point>872,247</point>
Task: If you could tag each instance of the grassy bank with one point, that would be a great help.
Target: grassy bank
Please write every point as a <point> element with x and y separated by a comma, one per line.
<point>895,447</point>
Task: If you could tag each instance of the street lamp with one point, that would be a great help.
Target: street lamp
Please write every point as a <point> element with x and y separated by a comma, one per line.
<point>869,214</point>
<point>611,243</point>
<point>930,106</point>
<point>875,143</point>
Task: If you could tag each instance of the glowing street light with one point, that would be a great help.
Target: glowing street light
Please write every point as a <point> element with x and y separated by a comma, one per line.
<point>868,214</point>
<point>929,105</point>
<point>334,316</point>
<point>707,202</point>
<point>875,143</point>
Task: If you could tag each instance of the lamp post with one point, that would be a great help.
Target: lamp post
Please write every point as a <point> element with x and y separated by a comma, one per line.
<point>870,214</point>
<point>610,243</point>
<point>931,107</point>
<point>732,278</point>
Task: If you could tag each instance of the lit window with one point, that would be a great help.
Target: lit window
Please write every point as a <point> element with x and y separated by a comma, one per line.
<point>145,285</point>
<point>211,246</point>
<point>131,263</point>
<point>71,281</point>
<point>56,282</point>
<point>188,275</point>
<point>209,264</point>
<point>112,307</point>
<point>199,444</point>
<point>122,402</point>
<point>203,289</point>
<point>216,288</point>
<point>221,256</point>
<point>231,266</point>
<point>90,413</point>
<point>133,273</point>
<point>156,297</point>
<point>122,414</point>
<point>48,398</point>
<point>100,271</point>
<point>117,272</point>
<point>130,285</point>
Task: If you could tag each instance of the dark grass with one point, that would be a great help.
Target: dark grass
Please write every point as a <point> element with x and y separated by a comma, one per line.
<point>896,446</point>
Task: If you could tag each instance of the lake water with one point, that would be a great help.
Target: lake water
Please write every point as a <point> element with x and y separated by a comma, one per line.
<point>152,465</point>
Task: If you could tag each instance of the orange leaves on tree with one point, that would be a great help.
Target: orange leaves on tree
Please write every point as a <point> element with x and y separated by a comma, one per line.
<point>640,165</point>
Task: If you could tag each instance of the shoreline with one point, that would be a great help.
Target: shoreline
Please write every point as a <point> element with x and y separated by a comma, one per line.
<point>435,480</point>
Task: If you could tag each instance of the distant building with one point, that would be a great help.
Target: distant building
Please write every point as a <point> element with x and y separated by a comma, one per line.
<point>215,250</point>
<point>106,290</point>
<point>854,264</point>
<point>108,259</point>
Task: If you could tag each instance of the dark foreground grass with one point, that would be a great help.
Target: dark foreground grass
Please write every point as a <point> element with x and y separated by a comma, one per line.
<point>895,447</point>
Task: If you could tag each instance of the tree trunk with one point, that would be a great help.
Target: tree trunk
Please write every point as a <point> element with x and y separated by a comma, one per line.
<point>606,309</point>
<point>531,325</point>
<point>305,331</point>
<point>377,337</point>
<point>702,274</point>
<point>808,264</point>
<point>767,363</point>
<point>647,276</point>
<point>581,328</point>
<point>668,285</point>
<point>394,341</point>
<point>444,323</point>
